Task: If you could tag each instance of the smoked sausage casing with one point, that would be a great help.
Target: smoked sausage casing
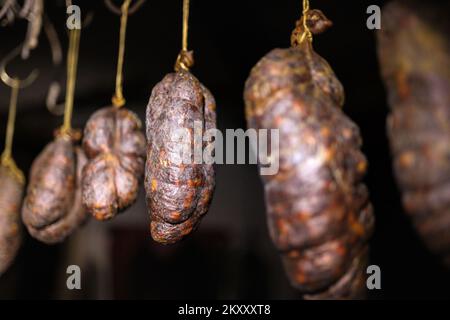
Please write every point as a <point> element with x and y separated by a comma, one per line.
<point>52,207</point>
<point>115,145</point>
<point>318,209</point>
<point>414,56</point>
<point>11,192</point>
<point>178,194</point>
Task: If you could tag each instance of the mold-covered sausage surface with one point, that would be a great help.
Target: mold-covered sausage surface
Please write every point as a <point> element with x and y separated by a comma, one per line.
<point>115,145</point>
<point>318,209</point>
<point>11,192</point>
<point>52,208</point>
<point>178,192</point>
<point>414,55</point>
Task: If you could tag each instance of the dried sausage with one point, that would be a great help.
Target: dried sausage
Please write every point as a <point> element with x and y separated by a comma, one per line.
<point>414,55</point>
<point>115,145</point>
<point>52,207</point>
<point>10,226</point>
<point>318,209</point>
<point>178,194</point>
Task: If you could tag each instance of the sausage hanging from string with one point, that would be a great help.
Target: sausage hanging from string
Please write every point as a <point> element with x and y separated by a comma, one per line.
<point>52,208</point>
<point>12,180</point>
<point>178,195</point>
<point>10,226</point>
<point>318,209</point>
<point>115,145</point>
<point>178,192</point>
<point>32,11</point>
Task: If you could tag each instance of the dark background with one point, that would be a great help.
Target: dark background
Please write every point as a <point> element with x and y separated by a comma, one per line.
<point>230,255</point>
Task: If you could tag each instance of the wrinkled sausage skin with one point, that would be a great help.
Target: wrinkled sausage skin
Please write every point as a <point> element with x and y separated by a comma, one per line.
<point>414,56</point>
<point>52,207</point>
<point>178,194</point>
<point>10,225</point>
<point>318,209</point>
<point>115,145</point>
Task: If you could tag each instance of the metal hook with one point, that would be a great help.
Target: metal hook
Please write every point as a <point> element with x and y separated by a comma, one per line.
<point>7,14</point>
<point>15,82</point>
<point>56,86</point>
<point>117,10</point>
<point>54,89</point>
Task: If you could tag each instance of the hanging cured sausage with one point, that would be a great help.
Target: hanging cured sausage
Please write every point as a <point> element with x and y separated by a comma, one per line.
<point>318,208</point>
<point>53,209</point>
<point>11,187</point>
<point>12,180</point>
<point>178,195</point>
<point>418,125</point>
<point>179,188</point>
<point>115,145</point>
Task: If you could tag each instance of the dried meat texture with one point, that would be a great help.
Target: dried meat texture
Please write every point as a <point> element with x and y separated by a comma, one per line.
<point>10,226</point>
<point>414,55</point>
<point>319,214</point>
<point>53,208</point>
<point>115,145</point>
<point>178,192</point>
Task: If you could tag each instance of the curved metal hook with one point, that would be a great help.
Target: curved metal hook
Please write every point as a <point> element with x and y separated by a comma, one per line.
<point>15,82</point>
<point>117,10</point>
<point>7,14</point>
<point>54,89</point>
